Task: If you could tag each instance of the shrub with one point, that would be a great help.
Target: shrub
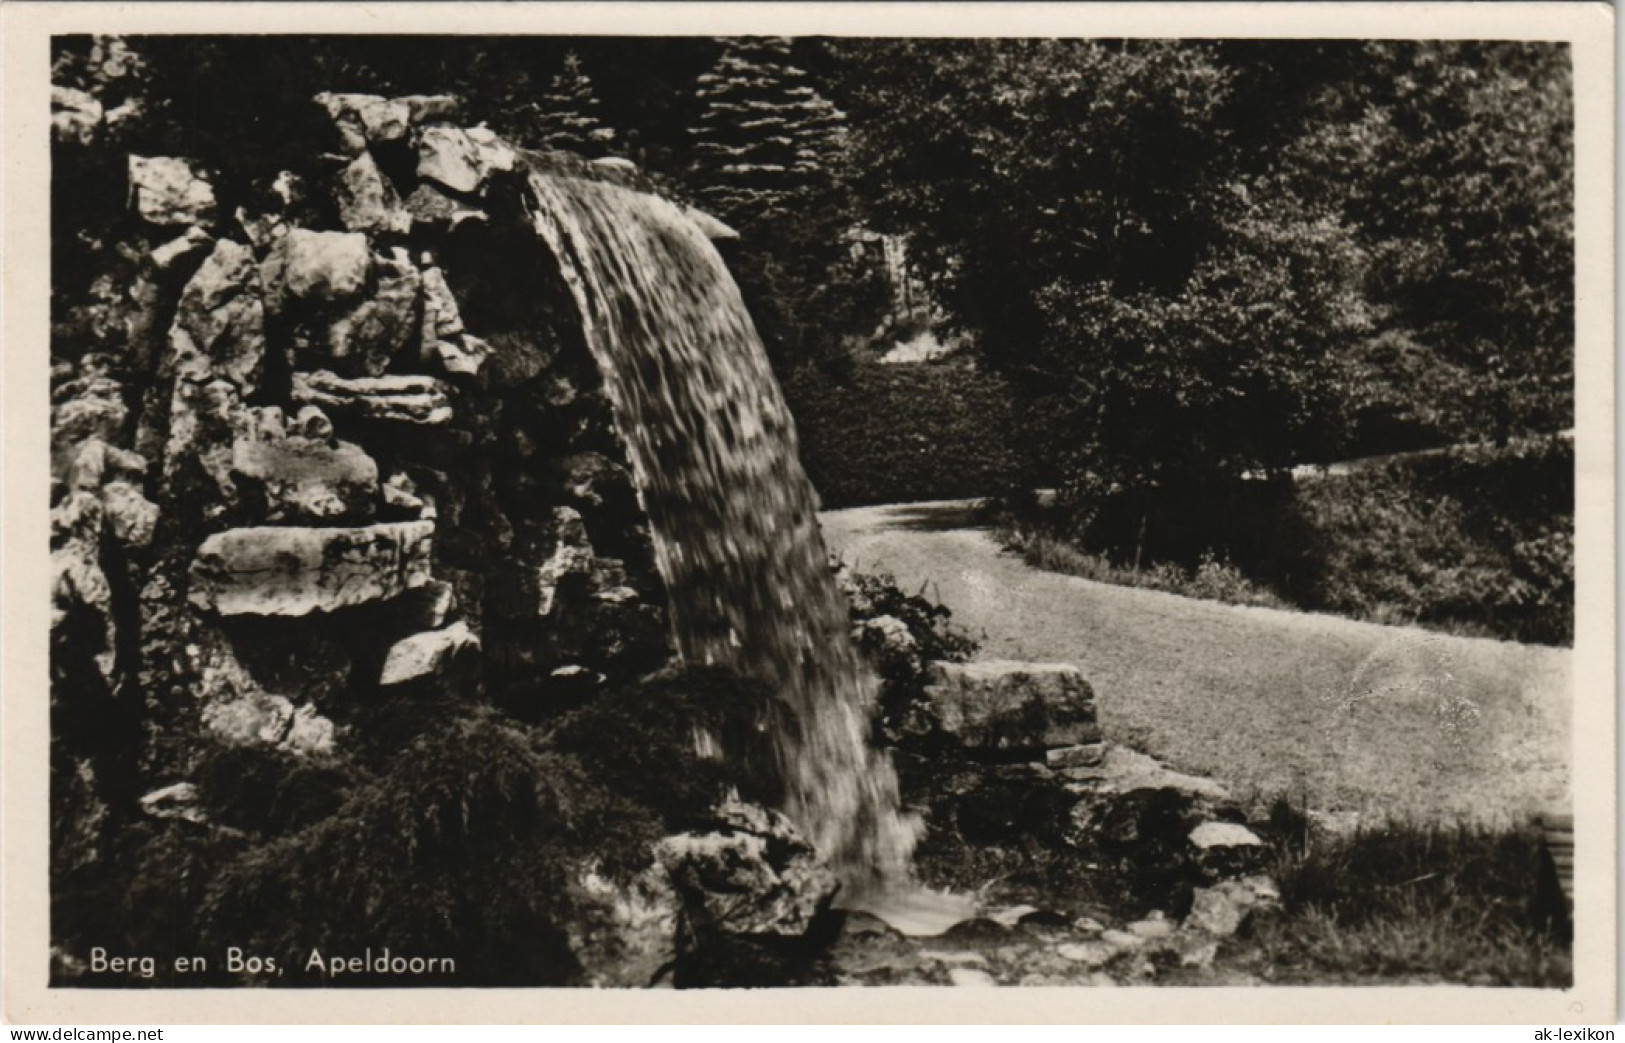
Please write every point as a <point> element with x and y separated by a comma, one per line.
<point>1476,539</point>
<point>464,846</point>
<point>648,742</point>
<point>902,433</point>
<point>901,634</point>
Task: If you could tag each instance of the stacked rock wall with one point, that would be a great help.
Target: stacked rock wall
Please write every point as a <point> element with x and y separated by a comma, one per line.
<point>336,441</point>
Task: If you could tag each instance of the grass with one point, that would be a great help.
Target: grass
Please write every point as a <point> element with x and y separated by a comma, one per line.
<point>1411,902</point>
<point>1213,578</point>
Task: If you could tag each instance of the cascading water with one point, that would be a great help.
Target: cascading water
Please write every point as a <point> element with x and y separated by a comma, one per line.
<point>713,451</point>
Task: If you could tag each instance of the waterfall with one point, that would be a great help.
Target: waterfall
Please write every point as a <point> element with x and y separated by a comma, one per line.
<point>713,450</point>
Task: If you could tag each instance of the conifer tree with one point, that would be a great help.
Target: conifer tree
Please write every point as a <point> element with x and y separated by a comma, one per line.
<point>765,139</point>
<point>768,157</point>
<point>567,114</point>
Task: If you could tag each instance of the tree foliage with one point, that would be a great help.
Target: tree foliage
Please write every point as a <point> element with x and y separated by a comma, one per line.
<point>1210,261</point>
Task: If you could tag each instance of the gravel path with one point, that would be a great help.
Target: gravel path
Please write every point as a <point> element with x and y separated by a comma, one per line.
<point>1379,720</point>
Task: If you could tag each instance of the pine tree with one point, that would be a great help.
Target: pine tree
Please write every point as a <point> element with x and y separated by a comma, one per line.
<point>765,140</point>
<point>566,115</point>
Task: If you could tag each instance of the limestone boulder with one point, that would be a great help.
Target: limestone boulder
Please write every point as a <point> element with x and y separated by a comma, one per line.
<point>1004,705</point>
<point>304,479</point>
<point>76,116</point>
<point>428,655</point>
<point>88,409</point>
<point>1227,849</point>
<point>264,719</point>
<point>753,873</point>
<point>367,201</point>
<point>366,119</point>
<point>448,157</point>
<point>294,571</point>
<point>407,399</point>
<point>167,191</point>
<point>364,341</point>
<point>624,934</point>
<point>220,322</point>
<point>324,267</point>
<point>1220,910</point>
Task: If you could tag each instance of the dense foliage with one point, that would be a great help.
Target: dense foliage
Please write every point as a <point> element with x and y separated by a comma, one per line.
<point>877,433</point>
<point>452,830</point>
<point>1202,261</point>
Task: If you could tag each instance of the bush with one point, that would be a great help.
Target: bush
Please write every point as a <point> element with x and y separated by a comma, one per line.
<point>465,846</point>
<point>901,634</point>
<point>649,742</point>
<point>1478,539</point>
<point>901,433</point>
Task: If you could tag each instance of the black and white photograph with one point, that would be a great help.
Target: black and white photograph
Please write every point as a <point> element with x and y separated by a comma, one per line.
<point>826,509</point>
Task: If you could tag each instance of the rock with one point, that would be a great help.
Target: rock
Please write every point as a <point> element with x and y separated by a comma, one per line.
<point>463,354</point>
<point>1012,915</point>
<point>276,571</point>
<point>76,116</point>
<point>96,410</point>
<point>1123,770</point>
<point>441,317</point>
<point>366,200</point>
<point>429,206</point>
<point>367,338</point>
<point>401,494</point>
<point>447,155</point>
<point>317,266</point>
<point>1090,953</point>
<point>95,463</point>
<point>1227,849</point>
<point>262,719</point>
<point>571,563</point>
<point>206,417</point>
<point>426,108</point>
<point>624,935</point>
<point>495,155</point>
<point>79,587</point>
<point>168,191</point>
<point>307,480</point>
<point>130,517</point>
<point>1210,835</point>
<point>1087,925</point>
<point>1084,756</point>
<point>593,480</point>
<point>753,874</point>
<point>426,655</point>
<point>1121,939</point>
<point>966,977</point>
<point>1002,705</point>
<point>402,399</point>
<point>366,119</point>
<point>1152,928</point>
<point>182,246</point>
<point>178,800</point>
<point>1219,910</point>
<point>1196,952</point>
<point>221,318</point>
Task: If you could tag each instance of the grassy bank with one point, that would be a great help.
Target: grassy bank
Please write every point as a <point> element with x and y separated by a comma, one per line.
<point>1476,542</point>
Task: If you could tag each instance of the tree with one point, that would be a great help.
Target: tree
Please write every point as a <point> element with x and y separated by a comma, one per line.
<point>567,115</point>
<point>768,157</point>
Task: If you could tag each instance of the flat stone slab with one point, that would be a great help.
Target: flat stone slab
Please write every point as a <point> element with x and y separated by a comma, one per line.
<point>401,398</point>
<point>292,571</point>
<point>1004,705</point>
